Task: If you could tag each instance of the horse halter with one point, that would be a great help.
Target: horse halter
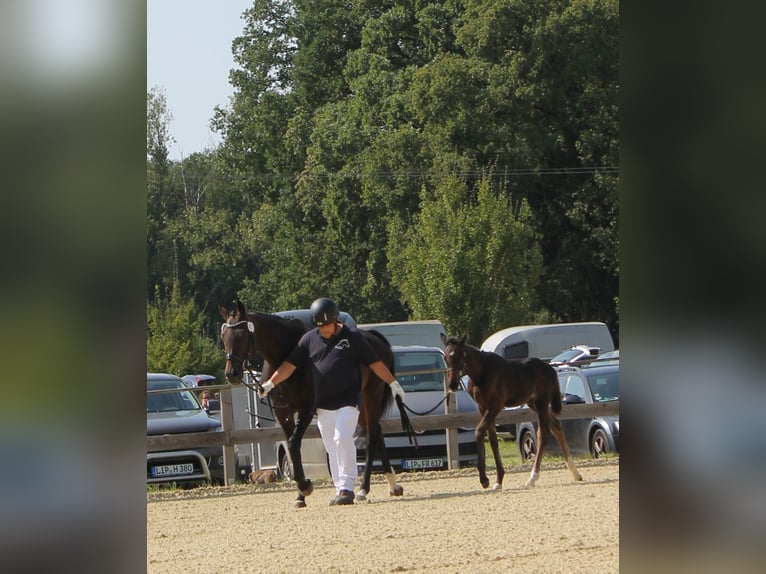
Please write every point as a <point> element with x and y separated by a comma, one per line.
<point>451,369</point>
<point>250,335</point>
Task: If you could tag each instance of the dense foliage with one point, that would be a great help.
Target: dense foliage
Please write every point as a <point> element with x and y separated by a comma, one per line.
<point>411,159</point>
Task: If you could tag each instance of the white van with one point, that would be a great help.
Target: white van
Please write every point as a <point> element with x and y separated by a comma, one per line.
<point>403,333</point>
<point>547,341</point>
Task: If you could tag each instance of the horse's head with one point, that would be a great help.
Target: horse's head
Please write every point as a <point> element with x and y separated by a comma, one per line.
<point>237,336</point>
<point>454,355</point>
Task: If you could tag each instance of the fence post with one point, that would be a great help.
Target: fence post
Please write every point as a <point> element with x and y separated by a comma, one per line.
<point>227,423</point>
<point>453,450</point>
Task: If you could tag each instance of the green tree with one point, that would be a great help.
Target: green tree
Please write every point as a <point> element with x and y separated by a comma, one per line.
<point>177,341</point>
<point>160,252</point>
<point>471,260</point>
<point>349,119</point>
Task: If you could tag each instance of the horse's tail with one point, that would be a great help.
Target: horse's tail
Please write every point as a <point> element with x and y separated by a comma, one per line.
<point>388,395</point>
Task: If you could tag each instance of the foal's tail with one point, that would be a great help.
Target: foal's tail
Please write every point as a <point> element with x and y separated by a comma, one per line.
<point>553,386</point>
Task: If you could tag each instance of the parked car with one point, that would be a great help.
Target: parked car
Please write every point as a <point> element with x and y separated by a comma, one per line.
<point>588,384</point>
<point>576,355</point>
<point>424,392</point>
<point>611,356</point>
<point>198,380</point>
<point>172,408</point>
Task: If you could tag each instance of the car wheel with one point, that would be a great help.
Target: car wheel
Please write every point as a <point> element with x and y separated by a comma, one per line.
<point>527,446</point>
<point>599,443</point>
<point>285,468</point>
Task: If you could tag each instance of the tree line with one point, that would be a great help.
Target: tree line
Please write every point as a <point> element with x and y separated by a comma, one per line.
<point>412,159</point>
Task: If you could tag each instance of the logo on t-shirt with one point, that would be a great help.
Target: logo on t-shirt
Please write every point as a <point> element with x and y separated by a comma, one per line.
<point>343,344</point>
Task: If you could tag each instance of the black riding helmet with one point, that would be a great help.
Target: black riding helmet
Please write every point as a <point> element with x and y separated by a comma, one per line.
<point>324,311</point>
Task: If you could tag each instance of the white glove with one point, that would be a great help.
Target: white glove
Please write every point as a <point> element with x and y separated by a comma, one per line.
<point>397,390</point>
<point>265,389</point>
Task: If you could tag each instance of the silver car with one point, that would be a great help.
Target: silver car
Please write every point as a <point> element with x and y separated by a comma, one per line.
<point>421,372</point>
<point>589,384</point>
<point>171,408</point>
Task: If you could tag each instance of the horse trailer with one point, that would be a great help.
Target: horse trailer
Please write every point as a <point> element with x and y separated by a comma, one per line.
<point>547,341</point>
<point>404,333</point>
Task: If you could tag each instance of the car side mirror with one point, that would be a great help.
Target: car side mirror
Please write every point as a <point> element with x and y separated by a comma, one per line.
<point>570,399</point>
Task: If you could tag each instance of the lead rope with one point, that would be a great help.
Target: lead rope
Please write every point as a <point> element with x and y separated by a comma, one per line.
<point>257,388</point>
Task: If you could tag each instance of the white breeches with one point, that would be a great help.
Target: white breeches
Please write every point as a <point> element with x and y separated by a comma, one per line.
<point>337,430</point>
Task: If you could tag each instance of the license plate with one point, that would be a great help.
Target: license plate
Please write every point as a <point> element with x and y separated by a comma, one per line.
<point>422,463</point>
<point>173,469</point>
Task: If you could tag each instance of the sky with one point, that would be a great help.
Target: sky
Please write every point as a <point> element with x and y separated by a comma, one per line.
<point>189,56</point>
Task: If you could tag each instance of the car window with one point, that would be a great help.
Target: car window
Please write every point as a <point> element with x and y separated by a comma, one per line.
<point>407,365</point>
<point>605,387</point>
<point>166,402</point>
<point>573,385</point>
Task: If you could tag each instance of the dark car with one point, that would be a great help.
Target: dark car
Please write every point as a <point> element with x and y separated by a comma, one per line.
<point>172,408</point>
<point>588,384</point>
<point>420,370</point>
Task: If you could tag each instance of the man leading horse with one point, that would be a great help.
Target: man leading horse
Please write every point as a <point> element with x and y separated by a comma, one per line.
<point>334,352</point>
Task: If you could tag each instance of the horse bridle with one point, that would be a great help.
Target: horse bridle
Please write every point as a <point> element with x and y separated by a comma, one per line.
<point>251,344</point>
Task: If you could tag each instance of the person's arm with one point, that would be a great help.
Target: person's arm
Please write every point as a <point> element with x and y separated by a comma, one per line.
<point>380,369</point>
<point>283,372</point>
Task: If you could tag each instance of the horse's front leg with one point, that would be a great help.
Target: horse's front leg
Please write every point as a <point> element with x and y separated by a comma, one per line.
<point>481,431</point>
<point>500,471</point>
<point>294,442</point>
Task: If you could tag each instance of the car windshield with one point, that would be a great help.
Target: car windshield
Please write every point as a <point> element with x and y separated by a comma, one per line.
<point>167,401</point>
<point>566,356</point>
<point>604,386</point>
<point>412,370</point>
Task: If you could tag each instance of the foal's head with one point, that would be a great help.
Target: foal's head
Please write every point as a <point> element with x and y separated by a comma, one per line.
<point>237,336</point>
<point>454,355</point>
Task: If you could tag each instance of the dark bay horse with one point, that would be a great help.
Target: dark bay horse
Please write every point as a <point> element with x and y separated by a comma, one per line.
<point>496,383</point>
<point>246,334</point>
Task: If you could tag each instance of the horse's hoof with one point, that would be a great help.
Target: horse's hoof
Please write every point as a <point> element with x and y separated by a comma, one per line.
<point>361,495</point>
<point>299,504</point>
<point>578,477</point>
<point>497,486</point>
<point>484,482</point>
<point>397,491</point>
<point>307,488</point>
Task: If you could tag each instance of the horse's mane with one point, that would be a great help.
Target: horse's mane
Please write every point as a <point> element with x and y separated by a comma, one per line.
<point>291,324</point>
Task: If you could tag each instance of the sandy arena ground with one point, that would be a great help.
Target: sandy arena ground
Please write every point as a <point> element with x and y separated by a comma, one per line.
<point>444,523</point>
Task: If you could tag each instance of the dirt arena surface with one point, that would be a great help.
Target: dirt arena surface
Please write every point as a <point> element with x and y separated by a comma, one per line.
<point>444,523</point>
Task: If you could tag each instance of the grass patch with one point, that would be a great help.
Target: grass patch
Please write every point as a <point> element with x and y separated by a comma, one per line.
<point>509,453</point>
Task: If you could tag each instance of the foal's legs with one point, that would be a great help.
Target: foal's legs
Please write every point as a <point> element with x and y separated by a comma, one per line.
<point>488,416</point>
<point>500,471</point>
<point>543,418</point>
<point>558,433</point>
<point>546,421</point>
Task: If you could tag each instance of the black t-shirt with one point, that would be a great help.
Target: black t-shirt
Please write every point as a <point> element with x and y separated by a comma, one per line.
<point>335,365</point>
